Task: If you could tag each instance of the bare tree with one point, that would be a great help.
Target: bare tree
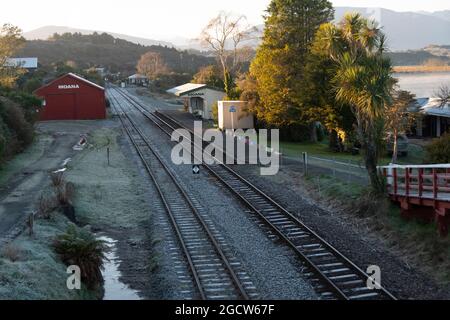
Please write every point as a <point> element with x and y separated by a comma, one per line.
<point>224,35</point>
<point>443,95</point>
<point>398,119</point>
<point>152,65</point>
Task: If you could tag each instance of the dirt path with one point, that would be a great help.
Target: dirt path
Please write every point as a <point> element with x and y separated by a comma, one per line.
<point>20,192</point>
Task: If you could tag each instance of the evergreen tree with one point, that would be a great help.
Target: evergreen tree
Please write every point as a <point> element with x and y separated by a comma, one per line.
<point>279,66</point>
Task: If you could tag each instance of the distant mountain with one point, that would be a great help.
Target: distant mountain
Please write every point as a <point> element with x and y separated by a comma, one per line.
<point>116,55</point>
<point>46,32</point>
<point>407,30</point>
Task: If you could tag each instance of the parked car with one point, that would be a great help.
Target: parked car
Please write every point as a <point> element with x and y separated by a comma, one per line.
<point>402,144</point>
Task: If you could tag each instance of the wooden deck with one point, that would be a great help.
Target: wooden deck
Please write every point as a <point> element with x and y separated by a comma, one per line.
<point>422,191</point>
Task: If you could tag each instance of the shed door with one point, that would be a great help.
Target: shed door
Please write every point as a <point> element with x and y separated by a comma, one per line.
<point>197,104</point>
<point>60,107</point>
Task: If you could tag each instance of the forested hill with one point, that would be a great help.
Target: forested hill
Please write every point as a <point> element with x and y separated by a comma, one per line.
<point>104,50</point>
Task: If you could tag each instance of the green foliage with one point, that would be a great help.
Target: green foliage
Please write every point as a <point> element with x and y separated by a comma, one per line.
<point>215,112</point>
<point>17,116</point>
<point>279,65</point>
<point>80,247</point>
<point>211,76</point>
<point>11,41</point>
<point>363,80</point>
<point>15,131</point>
<point>31,85</point>
<point>318,97</point>
<point>167,81</point>
<point>439,150</point>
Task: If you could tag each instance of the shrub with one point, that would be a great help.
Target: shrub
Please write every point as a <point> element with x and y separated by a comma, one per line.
<point>57,179</point>
<point>31,85</point>
<point>21,131</point>
<point>12,252</point>
<point>80,247</point>
<point>439,150</point>
<point>64,193</point>
<point>46,206</point>
<point>215,112</point>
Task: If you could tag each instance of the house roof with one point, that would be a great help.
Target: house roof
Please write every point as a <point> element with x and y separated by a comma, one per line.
<point>27,63</point>
<point>137,76</point>
<point>188,88</point>
<point>432,106</point>
<point>73,75</point>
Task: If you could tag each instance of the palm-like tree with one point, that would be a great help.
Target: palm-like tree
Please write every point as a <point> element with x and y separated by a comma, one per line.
<point>363,80</point>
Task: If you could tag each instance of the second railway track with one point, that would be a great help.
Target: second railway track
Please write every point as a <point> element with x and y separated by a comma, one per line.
<point>215,272</point>
<point>334,276</point>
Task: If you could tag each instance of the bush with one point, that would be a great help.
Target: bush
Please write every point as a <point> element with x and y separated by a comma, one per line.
<point>16,132</point>
<point>12,252</point>
<point>80,247</point>
<point>439,150</point>
<point>46,205</point>
<point>31,85</point>
<point>215,112</point>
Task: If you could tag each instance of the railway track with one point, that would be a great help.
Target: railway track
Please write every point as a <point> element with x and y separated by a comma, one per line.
<point>217,275</point>
<point>333,275</point>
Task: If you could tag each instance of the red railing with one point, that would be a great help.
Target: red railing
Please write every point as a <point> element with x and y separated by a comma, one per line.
<point>425,181</point>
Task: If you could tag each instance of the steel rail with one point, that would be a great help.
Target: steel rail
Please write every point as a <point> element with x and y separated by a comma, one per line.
<point>235,279</point>
<point>333,285</point>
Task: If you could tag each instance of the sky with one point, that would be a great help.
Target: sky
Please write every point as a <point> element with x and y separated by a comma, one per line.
<point>160,19</point>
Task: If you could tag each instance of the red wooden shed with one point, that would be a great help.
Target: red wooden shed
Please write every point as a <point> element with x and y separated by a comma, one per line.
<point>72,97</point>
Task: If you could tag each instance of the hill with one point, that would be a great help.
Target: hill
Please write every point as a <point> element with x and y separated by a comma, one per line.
<point>48,31</point>
<point>429,56</point>
<point>117,55</point>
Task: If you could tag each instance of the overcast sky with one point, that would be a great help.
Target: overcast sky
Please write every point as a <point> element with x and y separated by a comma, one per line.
<point>160,19</point>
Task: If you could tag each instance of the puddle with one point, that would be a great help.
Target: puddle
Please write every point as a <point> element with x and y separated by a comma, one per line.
<point>114,288</point>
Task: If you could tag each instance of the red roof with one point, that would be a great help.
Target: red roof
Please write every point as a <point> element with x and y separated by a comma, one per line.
<point>73,75</point>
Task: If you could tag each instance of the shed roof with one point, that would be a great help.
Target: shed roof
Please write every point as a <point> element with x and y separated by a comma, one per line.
<point>190,87</point>
<point>27,63</point>
<point>73,75</point>
<point>185,88</point>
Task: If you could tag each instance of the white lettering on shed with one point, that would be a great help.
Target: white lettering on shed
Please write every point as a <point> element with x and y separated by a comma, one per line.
<point>68,86</point>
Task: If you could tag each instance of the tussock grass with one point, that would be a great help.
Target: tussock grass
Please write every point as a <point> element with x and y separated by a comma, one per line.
<point>12,252</point>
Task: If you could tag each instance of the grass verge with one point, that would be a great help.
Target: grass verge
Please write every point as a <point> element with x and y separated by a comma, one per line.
<point>418,244</point>
<point>36,272</point>
<point>416,153</point>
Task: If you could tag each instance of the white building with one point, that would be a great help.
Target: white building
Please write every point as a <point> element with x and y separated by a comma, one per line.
<point>435,120</point>
<point>138,79</point>
<point>26,63</point>
<point>199,98</point>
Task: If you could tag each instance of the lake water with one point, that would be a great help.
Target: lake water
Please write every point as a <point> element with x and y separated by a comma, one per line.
<point>423,85</point>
